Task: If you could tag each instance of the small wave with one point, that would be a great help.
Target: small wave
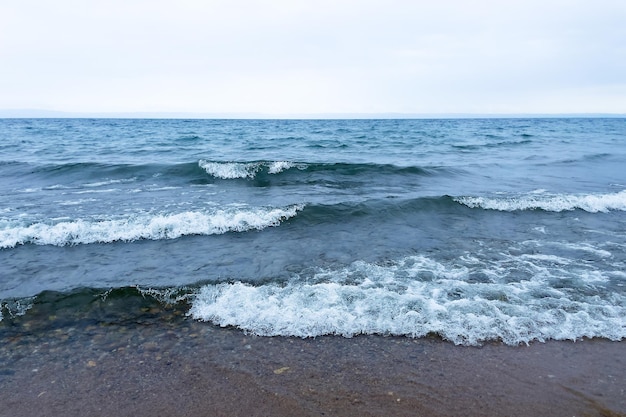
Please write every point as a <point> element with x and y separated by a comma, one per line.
<point>153,227</point>
<point>250,170</point>
<point>190,137</point>
<point>122,304</point>
<point>110,182</point>
<point>77,202</point>
<point>29,190</point>
<point>491,144</point>
<point>233,170</point>
<point>592,203</point>
<point>90,174</point>
<point>96,175</point>
<point>414,297</point>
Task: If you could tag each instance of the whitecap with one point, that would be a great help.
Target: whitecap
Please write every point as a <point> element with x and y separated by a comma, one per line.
<point>279,166</point>
<point>145,226</point>
<point>592,203</point>
<point>229,170</point>
<point>234,170</point>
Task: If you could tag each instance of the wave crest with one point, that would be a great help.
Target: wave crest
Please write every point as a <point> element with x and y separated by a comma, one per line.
<point>153,227</point>
<point>592,203</point>
<point>234,170</point>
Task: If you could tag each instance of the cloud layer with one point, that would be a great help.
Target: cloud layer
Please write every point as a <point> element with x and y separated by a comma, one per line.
<point>281,57</point>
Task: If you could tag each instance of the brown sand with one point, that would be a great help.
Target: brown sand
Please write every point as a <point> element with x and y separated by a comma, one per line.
<point>194,369</point>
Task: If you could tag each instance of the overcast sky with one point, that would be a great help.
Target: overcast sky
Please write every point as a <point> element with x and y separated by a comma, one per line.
<point>290,56</point>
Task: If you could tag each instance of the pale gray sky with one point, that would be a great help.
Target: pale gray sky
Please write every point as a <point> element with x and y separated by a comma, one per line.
<point>289,56</point>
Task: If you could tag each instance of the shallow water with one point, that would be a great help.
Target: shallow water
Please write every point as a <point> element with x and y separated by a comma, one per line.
<point>153,360</point>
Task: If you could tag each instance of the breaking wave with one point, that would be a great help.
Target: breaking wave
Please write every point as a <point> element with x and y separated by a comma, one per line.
<point>232,170</point>
<point>415,297</point>
<point>147,226</point>
<point>592,203</point>
<point>250,170</point>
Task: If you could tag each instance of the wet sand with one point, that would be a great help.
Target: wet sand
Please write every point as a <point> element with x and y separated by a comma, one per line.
<point>179,367</point>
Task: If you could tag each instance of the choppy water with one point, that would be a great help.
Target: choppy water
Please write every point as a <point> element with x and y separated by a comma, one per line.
<point>475,230</point>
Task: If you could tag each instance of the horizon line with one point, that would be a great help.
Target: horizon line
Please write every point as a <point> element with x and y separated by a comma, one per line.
<point>59,114</point>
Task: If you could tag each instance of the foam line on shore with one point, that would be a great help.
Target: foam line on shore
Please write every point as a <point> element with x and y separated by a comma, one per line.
<point>415,297</point>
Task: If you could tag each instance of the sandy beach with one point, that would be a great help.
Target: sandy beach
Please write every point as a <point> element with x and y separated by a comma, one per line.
<point>174,366</point>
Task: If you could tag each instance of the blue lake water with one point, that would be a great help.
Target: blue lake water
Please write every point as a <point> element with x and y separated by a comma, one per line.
<point>470,229</point>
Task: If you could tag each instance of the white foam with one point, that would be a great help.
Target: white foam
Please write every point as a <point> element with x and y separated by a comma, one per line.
<point>57,187</point>
<point>147,226</point>
<point>279,166</point>
<point>76,202</point>
<point>592,203</point>
<point>17,307</point>
<point>109,182</point>
<point>229,170</point>
<point>170,296</point>
<point>48,188</point>
<point>546,258</point>
<point>394,300</point>
<point>585,247</point>
<point>167,188</point>
<point>233,170</point>
<point>107,190</point>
